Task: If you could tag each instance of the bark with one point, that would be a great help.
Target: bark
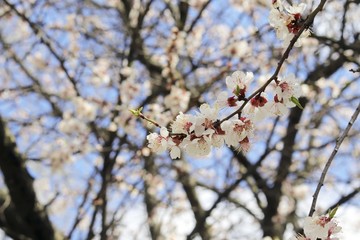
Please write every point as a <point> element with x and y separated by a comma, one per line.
<point>22,216</point>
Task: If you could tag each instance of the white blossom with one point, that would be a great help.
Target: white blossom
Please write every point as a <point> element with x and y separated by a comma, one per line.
<point>101,75</point>
<point>287,21</point>
<point>205,119</point>
<point>287,88</point>
<point>175,152</point>
<point>257,108</point>
<point>158,143</point>
<point>182,124</point>
<point>237,130</point>
<point>320,227</point>
<point>217,140</point>
<point>238,82</point>
<point>199,147</point>
<point>277,108</point>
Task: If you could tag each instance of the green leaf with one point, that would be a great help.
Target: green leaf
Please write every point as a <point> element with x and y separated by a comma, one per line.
<point>333,212</point>
<point>296,102</point>
<point>136,112</point>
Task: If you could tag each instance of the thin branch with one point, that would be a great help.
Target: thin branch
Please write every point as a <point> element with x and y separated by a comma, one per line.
<point>37,87</point>
<point>345,198</point>
<point>46,41</point>
<point>80,210</point>
<point>251,171</point>
<point>231,200</point>
<point>355,70</point>
<point>329,161</point>
<point>197,18</point>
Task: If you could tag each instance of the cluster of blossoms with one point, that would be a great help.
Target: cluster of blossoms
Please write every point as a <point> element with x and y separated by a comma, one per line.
<point>287,21</point>
<point>319,227</point>
<point>197,134</point>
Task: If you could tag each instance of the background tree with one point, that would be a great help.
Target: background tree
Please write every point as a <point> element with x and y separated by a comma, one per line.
<point>75,162</point>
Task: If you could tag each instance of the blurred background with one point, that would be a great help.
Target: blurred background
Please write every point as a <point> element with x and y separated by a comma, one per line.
<point>75,162</point>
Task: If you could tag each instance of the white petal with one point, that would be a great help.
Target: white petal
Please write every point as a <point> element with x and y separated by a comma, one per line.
<point>164,132</point>
<point>175,152</point>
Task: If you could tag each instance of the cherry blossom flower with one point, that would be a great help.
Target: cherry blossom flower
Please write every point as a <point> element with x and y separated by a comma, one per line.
<point>205,119</point>
<point>257,108</point>
<point>245,144</point>
<point>182,124</point>
<point>175,151</point>
<point>287,21</point>
<point>287,88</point>
<point>222,100</point>
<point>128,89</point>
<point>238,82</point>
<point>197,134</point>
<point>59,153</point>
<point>277,108</point>
<point>237,49</point>
<point>217,140</point>
<point>199,147</point>
<point>158,143</point>
<point>320,227</point>
<point>101,75</point>
<point>237,130</point>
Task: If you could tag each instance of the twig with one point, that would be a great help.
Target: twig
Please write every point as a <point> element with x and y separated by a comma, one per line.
<point>355,70</point>
<point>329,161</point>
<point>345,198</point>
<point>47,42</point>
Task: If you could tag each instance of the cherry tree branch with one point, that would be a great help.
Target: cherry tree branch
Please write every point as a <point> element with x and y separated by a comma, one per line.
<point>47,42</point>
<point>332,156</point>
<point>37,87</point>
<point>21,190</point>
<point>197,18</point>
<point>345,198</point>
<point>306,25</point>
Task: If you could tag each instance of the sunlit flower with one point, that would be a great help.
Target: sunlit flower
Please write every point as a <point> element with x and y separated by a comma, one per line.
<point>158,143</point>
<point>257,109</point>
<point>205,119</point>
<point>222,100</point>
<point>199,147</point>
<point>182,124</point>
<point>320,227</point>
<point>238,82</point>
<point>237,130</point>
<point>287,88</point>
<point>287,21</point>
